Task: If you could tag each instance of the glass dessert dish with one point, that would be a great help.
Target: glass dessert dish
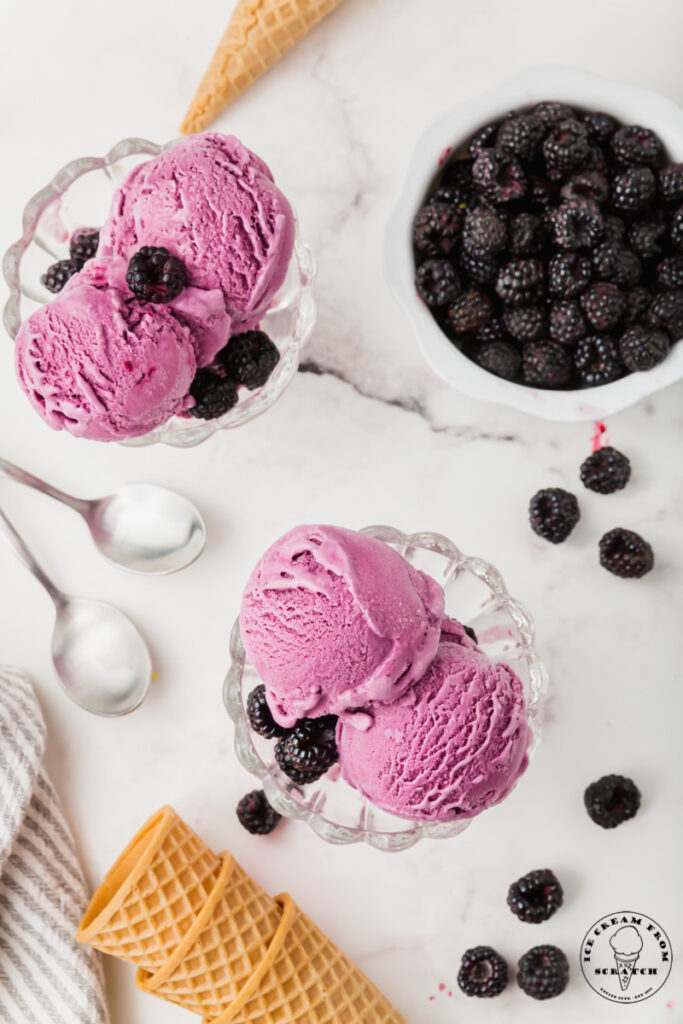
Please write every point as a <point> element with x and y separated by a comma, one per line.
<point>476,595</point>
<point>79,196</point>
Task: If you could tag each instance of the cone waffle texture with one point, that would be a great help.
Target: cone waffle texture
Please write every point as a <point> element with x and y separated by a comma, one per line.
<point>259,33</point>
<point>153,893</point>
<point>306,979</point>
<point>231,940</point>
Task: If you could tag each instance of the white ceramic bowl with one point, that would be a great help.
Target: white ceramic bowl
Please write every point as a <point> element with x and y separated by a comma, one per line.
<point>629,104</point>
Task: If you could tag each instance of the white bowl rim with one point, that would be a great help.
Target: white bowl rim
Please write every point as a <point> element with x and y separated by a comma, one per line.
<point>630,104</point>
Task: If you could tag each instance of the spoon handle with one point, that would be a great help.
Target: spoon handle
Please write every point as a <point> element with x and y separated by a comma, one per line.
<point>24,555</point>
<point>22,476</point>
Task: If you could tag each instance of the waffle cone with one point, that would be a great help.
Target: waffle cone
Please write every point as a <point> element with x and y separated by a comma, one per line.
<point>229,939</point>
<point>152,895</point>
<point>305,979</point>
<point>258,34</point>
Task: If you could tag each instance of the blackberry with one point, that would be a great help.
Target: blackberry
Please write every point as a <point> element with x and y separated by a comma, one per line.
<point>553,513</point>
<point>551,112</point>
<point>566,146</point>
<point>491,331</point>
<point>597,360</point>
<point>249,359</point>
<point>260,717</point>
<point>612,261</point>
<point>615,229</point>
<point>604,305</point>
<point>596,161</point>
<point>605,471</point>
<point>676,231</point>
<point>483,233</point>
<point>569,275</point>
<point>291,771</point>
<point>612,800</point>
<point>587,185</point>
<point>525,323</point>
<point>670,273</point>
<point>473,309</point>
<point>213,395</point>
<point>546,364</point>
<point>567,324</point>
<point>56,275</point>
<point>543,972</point>
<point>499,357</point>
<point>642,348</point>
<point>453,195</point>
<point>471,634</point>
<point>647,238</point>
<point>633,190</point>
<point>437,283</point>
<point>83,244</point>
<point>670,182</point>
<point>633,145</point>
<point>525,234</point>
<point>666,311</point>
<point>600,126</point>
<point>577,224</point>
<point>626,553</point>
<point>535,896</point>
<point>256,815</point>
<point>520,281</point>
<point>310,746</point>
<point>458,174</point>
<point>436,229</point>
<point>154,275</point>
<point>483,972</point>
<point>483,139</point>
<point>498,177</point>
<point>481,269</point>
<point>637,305</point>
<point>541,193</point>
<point>520,136</point>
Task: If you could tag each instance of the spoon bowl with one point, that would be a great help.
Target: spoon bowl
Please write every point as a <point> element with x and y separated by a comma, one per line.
<point>100,658</point>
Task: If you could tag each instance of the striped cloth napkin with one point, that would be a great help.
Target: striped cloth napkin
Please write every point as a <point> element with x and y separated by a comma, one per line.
<point>46,977</point>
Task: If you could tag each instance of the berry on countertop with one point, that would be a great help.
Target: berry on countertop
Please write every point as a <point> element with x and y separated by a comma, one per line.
<point>553,514</point>
<point>633,190</point>
<point>520,135</point>
<point>604,305</point>
<point>670,182</point>
<point>605,471</point>
<point>567,324</point>
<point>483,972</point>
<point>536,896</point>
<point>550,112</point>
<point>525,323</point>
<point>600,126</point>
<point>310,745</point>
<point>436,229</point>
<point>56,275</point>
<point>543,972</point>
<point>670,273</point>
<point>471,310</point>
<point>626,553</point>
<point>213,395</point>
<point>260,716</point>
<point>577,224</point>
<point>642,348</point>
<point>613,262</point>
<point>565,147</point>
<point>612,800</point>
<point>597,360</point>
<point>249,359</point>
<point>483,233</point>
<point>634,145</point>
<point>256,814</point>
<point>520,281</point>
<point>546,364</point>
<point>83,244</point>
<point>154,275</point>
<point>497,177</point>
<point>569,274</point>
<point>499,357</point>
<point>437,283</point>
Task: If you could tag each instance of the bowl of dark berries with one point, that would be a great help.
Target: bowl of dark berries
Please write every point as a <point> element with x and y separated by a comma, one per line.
<point>180,341</point>
<point>537,246</point>
<point>299,767</point>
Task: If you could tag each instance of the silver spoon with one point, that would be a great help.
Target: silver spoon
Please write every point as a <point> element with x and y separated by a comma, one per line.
<point>140,527</point>
<point>100,658</point>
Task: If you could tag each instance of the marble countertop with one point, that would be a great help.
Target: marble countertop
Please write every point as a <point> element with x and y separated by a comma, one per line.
<point>372,436</point>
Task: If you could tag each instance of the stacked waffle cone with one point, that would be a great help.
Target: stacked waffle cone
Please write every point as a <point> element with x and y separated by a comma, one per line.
<point>205,936</point>
<point>259,33</point>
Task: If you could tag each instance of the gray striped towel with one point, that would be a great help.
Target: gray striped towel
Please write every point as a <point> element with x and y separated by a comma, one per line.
<point>46,977</point>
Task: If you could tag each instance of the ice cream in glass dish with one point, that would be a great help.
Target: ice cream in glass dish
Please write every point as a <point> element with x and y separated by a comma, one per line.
<point>183,312</point>
<point>364,701</point>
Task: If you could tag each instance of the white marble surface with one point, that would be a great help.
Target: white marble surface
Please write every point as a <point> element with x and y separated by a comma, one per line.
<point>386,443</point>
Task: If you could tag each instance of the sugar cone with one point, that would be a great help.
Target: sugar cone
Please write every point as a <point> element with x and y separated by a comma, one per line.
<point>153,893</point>
<point>259,33</point>
<point>306,979</point>
<point>625,967</point>
<point>229,939</point>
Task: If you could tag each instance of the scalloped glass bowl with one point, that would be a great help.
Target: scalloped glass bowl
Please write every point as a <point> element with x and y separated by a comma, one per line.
<point>79,196</point>
<point>476,595</point>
